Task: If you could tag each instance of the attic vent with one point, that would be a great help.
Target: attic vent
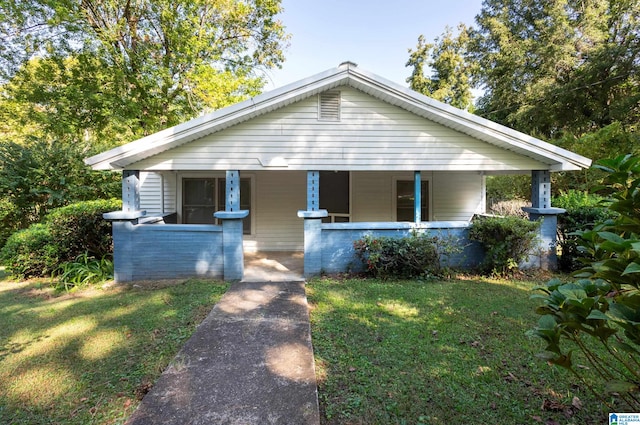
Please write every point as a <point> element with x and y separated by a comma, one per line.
<point>329,106</point>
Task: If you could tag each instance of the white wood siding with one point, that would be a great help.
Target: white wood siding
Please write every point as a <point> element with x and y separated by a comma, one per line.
<point>279,196</point>
<point>156,188</point>
<point>454,196</point>
<point>457,196</point>
<point>371,135</point>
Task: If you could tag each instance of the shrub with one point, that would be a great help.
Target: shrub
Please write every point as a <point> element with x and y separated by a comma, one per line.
<point>603,306</point>
<point>413,256</point>
<point>507,241</point>
<point>79,228</point>
<point>30,252</point>
<point>67,233</point>
<point>583,211</point>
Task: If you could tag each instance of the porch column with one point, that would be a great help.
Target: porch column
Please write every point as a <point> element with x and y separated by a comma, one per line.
<point>417,197</point>
<point>123,223</point>
<point>231,217</point>
<point>313,226</point>
<point>130,190</point>
<point>541,209</point>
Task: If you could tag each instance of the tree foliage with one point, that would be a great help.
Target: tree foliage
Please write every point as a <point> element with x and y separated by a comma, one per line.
<point>149,63</point>
<point>40,175</point>
<point>450,77</point>
<point>548,68</point>
<point>603,305</point>
<point>556,66</point>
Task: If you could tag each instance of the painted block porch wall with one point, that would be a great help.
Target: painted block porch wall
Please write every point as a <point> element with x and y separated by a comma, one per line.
<point>166,251</point>
<point>339,256</point>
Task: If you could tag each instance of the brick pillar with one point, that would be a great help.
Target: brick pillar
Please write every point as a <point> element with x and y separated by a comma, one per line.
<point>313,226</point>
<point>541,209</point>
<point>232,249</point>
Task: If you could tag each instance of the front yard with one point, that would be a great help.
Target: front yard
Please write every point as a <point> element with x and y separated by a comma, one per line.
<point>415,352</point>
<point>90,356</point>
<point>410,352</point>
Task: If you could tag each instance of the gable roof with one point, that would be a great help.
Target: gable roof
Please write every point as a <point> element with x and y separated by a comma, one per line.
<point>347,74</point>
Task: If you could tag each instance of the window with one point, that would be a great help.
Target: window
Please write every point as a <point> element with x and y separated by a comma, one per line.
<point>329,106</point>
<point>334,195</point>
<point>201,197</point>
<point>405,197</point>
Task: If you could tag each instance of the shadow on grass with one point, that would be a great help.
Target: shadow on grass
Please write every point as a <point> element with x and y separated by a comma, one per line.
<point>88,357</point>
<point>436,353</point>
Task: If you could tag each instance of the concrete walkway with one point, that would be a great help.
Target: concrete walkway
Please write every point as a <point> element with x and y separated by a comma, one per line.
<point>249,362</point>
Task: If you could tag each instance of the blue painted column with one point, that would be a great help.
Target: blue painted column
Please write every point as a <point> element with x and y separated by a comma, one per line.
<point>542,210</point>
<point>122,226</point>
<point>417,197</point>
<point>313,190</point>
<point>313,226</point>
<point>232,249</point>
<point>130,190</point>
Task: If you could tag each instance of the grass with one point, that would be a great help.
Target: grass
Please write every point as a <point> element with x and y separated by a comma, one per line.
<point>88,357</point>
<point>417,352</point>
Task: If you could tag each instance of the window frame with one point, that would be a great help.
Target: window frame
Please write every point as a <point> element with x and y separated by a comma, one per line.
<point>217,176</point>
<point>425,181</point>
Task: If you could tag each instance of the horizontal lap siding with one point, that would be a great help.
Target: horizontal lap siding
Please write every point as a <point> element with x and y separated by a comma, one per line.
<point>457,196</point>
<point>151,193</point>
<point>370,134</point>
<point>279,196</point>
<point>371,197</point>
<point>454,196</point>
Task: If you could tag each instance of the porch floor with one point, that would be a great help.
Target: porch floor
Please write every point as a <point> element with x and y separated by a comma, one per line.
<point>273,266</point>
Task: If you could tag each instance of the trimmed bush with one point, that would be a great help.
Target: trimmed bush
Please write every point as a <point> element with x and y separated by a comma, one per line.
<point>507,241</point>
<point>30,252</point>
<point>67,233</point>
<point>79,229</point>
<point>408,257</point>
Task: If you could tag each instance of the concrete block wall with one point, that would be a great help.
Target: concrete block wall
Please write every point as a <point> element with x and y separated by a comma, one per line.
<point>338,254</point>
<point>166,251</point>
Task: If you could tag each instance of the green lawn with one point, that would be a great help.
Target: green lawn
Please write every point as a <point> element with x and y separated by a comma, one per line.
<point>448,352</point>
<point>407,352</point>
<point>88,357</point>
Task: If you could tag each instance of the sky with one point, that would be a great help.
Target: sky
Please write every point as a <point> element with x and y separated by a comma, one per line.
<point>375,34</point>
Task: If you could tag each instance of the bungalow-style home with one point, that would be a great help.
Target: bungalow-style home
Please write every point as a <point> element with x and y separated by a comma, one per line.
<point>312,167</point>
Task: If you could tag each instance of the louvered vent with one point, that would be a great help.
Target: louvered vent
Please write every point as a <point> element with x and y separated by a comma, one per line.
<point>329,106</point>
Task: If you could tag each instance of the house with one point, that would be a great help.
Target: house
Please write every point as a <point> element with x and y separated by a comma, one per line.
<point>313,166</point>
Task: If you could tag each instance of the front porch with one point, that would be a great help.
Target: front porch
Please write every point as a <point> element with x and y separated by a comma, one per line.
<point>150,248</point>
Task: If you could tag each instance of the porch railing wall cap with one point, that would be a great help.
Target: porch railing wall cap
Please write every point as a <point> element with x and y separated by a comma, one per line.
<point>124,215</point>
<point>313,214</point>
<point>544,211</point>
<point>231,215</point>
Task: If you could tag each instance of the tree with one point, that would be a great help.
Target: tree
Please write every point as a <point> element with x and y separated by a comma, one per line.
<point>450,80</point>
<point>556,66</point>
<point>149,64</point>
<point>40,175</point>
